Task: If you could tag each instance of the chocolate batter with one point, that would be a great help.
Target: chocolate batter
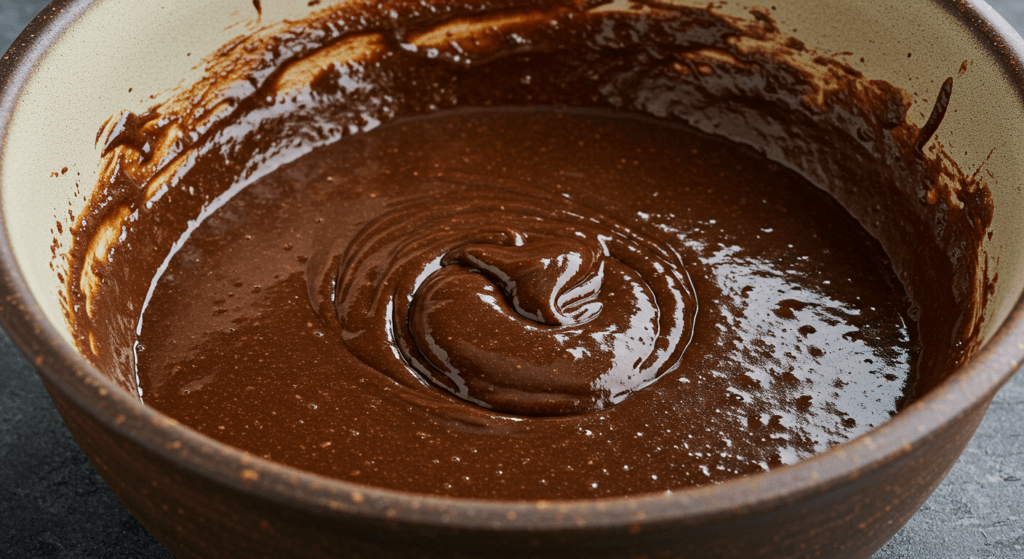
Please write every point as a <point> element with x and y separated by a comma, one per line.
<point>541,291</point>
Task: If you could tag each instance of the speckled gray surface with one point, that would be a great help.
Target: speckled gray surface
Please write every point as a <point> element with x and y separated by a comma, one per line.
<point>978,511</point>
<point>54,505</point>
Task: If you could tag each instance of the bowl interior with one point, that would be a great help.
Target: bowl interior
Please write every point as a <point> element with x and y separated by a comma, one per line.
<point>126,54</point>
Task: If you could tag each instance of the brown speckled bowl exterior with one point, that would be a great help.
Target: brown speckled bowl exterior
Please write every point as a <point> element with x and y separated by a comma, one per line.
<point>194,516</point>
<point>204,499</point>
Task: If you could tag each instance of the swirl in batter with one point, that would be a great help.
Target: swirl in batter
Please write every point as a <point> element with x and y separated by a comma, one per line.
<point>515,301</point>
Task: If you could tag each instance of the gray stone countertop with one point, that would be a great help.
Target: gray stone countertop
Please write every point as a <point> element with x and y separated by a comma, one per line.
<point>54,505</point>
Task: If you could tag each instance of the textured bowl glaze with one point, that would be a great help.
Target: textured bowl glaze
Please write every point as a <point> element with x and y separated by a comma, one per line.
<point>81,61</point>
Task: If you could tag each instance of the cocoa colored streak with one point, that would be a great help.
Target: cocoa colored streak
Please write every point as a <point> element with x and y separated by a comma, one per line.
<point>938,113</point>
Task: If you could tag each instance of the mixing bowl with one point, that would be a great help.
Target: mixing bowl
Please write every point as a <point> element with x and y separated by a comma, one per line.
<point>82,61</point>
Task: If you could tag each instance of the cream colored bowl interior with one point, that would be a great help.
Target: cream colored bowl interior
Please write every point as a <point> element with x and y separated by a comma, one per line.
<point>130,54</point>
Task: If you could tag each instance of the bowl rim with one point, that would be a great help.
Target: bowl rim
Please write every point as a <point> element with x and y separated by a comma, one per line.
<point>76,379</point>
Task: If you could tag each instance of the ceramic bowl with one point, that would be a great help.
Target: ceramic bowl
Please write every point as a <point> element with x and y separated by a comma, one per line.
<point>81,61</point>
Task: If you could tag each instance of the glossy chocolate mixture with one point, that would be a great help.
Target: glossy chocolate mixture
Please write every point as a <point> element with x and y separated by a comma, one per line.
<point>521,251</point>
